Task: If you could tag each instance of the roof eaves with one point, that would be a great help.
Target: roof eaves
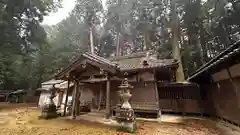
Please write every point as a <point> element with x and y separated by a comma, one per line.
<point>134,55</point>
<point>68,67</point>
<point>99,59</point>
<point>230,51</point>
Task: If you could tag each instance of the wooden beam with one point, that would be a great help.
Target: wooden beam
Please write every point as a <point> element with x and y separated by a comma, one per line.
<point>108,109</point>
<point>93,80</point>
<point>66,99</point>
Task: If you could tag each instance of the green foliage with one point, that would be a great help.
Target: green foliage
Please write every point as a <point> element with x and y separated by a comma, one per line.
<point>31,53</point>
<point>21,37</point>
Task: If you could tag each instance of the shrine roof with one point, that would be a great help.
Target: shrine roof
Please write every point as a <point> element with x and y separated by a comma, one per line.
<point>123,63</point>
<point>97,61</point>
<point>135,62</point>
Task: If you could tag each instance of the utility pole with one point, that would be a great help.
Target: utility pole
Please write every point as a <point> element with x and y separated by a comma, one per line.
<point>175,45</point>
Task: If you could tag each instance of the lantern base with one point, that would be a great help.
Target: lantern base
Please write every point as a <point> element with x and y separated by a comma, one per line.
<point>129,127</point>
<point>49,111</point>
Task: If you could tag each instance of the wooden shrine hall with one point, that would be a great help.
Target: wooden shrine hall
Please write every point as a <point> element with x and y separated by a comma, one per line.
<point>97,80</point>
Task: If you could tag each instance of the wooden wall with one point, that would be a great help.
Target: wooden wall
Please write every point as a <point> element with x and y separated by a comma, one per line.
<point>144,96</point>
<point>180,98</point>
<point>223,94</point>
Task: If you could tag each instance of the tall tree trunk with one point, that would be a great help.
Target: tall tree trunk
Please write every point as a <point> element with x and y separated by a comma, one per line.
<point>175,46</point>
<point>118,44</point>
<point>147,42</point>
<point>203,44</point>
<point>199,46</point>
<point>91,39</point>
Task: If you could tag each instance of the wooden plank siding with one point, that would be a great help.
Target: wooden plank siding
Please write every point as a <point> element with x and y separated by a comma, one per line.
<point>183,99</point>
<point>223,94</point>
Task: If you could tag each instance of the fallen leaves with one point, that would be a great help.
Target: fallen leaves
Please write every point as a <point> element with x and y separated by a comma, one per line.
<point>25,122</point>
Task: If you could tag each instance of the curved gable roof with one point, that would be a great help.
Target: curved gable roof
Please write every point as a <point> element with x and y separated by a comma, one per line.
<point>91,59</point>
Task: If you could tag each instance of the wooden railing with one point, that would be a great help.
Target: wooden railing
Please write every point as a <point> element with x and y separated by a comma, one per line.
<point>141,106</point>
<point>182,105</point>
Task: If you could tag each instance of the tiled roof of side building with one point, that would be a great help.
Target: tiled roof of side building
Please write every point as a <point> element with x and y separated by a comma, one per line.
<point>232,50</point>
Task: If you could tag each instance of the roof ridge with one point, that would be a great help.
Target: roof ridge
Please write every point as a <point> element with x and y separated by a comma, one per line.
<point>133,55</point>
<point>96,57</point>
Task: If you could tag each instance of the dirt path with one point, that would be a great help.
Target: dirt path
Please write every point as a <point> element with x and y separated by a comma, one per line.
<point>25,122</point>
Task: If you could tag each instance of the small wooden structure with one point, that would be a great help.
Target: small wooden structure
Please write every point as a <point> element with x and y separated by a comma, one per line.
<point>61,87</point>
<point>97,79</point>
<point>4,95</point>
<point>219,81</point>
<point>17,96</point>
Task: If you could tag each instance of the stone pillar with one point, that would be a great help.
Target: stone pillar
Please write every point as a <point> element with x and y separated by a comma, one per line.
<point>108,107</point>
<point>126,117</point>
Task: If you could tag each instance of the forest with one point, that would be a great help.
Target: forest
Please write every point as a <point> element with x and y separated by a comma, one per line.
<point>194,31</point>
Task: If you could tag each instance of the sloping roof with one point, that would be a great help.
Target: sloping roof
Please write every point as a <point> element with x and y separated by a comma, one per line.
<point>99,59</point>
<point>134,62</point>
<point>109,66</point>
<point>60,84</point>
<point>19,91</point>
<point>231,51</point>
<point>124,63</point>
<point>3,92</point>
<point>51,82</point>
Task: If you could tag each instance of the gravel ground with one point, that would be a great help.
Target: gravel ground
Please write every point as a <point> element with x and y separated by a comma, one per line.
<point>24,121</point>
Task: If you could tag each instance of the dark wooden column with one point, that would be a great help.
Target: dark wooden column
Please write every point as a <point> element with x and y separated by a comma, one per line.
<point>66,99</point>
<point>108,107</point>
<point>156,93</point>
<point>73,113</point>
<point>78,99</point>
<point>100,99</point>
<point>235,87</point>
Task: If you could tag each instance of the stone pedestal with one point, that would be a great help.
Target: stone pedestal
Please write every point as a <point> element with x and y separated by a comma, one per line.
<point>126,117</point>
<point>49,109</point>
<point>127,120</point>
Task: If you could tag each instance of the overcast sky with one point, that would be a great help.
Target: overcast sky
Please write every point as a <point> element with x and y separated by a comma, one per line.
<point>62,13</point>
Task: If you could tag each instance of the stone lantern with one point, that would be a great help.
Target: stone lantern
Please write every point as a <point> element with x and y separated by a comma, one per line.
<point>49,109</point>
<point>126,117</point>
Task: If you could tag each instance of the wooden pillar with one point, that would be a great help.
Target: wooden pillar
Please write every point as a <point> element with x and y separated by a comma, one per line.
<point>100,99</point>
<point>78,100</point>
<point>235,87</point>
<point>108,107</point>
<point>73,113</point>
<point>66,99</point>
<point>6,100</point>
<point>156,93</point>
